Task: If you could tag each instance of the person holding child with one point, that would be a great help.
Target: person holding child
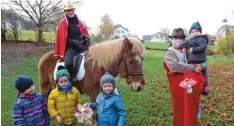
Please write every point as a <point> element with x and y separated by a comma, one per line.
<point>109,106</point>
<point>63,100</point>
<point>184,105</point>
<point>30,107</point>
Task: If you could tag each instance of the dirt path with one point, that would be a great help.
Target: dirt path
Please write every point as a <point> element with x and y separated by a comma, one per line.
<point>11,52</point>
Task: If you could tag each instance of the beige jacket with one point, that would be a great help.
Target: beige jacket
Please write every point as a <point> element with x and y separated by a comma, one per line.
<point>173,63</point>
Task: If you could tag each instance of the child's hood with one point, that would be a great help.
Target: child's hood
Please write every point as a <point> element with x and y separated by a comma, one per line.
<point>115,93</point>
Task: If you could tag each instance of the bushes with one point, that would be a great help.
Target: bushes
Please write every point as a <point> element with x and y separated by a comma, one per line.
<point>209,52</point>
<point>222,44</point>
<point>9,35</point>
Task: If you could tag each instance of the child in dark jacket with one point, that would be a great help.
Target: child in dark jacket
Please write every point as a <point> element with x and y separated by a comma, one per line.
<point>110,109</point>
<point>196,51</point>
<point>29,107</point>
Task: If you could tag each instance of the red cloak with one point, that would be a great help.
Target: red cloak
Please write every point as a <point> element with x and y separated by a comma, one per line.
<point>184,106</point>
<point>61,37</point>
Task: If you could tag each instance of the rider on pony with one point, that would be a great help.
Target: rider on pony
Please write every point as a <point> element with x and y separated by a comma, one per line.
<point>72,38</point>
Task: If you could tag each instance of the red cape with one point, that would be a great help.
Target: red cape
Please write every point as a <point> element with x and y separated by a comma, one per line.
<point>184,106</point>
<point>61,37</point>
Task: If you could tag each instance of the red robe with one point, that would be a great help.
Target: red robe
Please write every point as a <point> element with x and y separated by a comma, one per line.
<point>184,106</point>
<point>61,37</point>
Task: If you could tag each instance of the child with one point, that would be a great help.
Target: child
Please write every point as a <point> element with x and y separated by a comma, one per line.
<point>196,53</point>
<point>110,109</point>
<point>29,107</point>
<point>63,100</point>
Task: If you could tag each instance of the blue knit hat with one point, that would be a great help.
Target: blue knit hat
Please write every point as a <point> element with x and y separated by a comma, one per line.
<point>61,71</point>
<point>196,25</point>
<point>107,78</point>
<point>23,83</point>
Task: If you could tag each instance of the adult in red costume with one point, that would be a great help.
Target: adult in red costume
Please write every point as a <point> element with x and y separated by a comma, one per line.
<point>184,105</point>
<point>72,38</point>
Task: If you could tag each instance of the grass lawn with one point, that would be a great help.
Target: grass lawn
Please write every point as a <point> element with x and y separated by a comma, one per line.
<point>151,107</point>
<point>31,35</point>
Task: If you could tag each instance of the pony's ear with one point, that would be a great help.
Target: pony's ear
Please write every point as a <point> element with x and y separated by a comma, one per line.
<point>127,44</point>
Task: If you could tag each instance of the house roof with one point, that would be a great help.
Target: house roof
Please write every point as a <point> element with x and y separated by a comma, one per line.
<point>147,37</point>
<point>212,37</point>
<point>119,25</point>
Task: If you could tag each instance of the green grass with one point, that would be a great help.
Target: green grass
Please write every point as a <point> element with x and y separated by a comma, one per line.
<point>156,45</point>
<point>31,35</point>
<point>146,108</point>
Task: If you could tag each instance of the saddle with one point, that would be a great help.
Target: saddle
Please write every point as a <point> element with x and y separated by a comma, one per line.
<point>78,67</point>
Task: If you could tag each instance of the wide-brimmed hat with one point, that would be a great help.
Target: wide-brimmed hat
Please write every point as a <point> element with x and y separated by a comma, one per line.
<point>177,32</point>
<point>68,6</point>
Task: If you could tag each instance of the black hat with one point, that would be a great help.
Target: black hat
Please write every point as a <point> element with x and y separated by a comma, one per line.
<point>23,83</point>
<point>177,32</point>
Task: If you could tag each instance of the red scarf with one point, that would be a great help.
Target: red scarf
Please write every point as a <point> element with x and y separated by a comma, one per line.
<point>61,37</point>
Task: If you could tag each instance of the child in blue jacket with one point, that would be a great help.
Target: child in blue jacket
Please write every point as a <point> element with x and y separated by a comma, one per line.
<point>109,106</point>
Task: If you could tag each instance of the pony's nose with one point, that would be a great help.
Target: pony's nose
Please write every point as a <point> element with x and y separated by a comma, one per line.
<point>139,88</point>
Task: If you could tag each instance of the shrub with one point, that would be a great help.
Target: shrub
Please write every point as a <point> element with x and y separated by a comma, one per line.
<point>210,52</point>
<point>222,44</point>
<point>9,35</point>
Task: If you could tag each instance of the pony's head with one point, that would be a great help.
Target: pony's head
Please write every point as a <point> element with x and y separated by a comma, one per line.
<point>130,63</point>
<point>123,56</point>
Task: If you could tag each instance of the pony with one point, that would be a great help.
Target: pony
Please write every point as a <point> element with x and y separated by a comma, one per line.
<point>121,57</point>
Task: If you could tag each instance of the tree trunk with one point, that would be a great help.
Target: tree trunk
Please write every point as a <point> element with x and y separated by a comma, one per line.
<point>40,36</point>
<point>15,33</point>
<point>3,39</point>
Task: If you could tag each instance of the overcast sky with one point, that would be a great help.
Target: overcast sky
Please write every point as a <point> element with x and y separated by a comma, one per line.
<point>149,16</point>
<point>145,17</point>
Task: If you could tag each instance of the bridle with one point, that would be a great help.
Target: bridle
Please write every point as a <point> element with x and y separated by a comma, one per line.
<point>126,68</point>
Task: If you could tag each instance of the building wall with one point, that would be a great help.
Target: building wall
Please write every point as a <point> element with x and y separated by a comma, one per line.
<point>120,32</point>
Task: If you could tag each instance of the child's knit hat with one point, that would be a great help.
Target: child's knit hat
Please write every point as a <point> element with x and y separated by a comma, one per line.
<point>61,71</point>
<point>107,78</point>
<point>23,83</point>
<point>196,25</point>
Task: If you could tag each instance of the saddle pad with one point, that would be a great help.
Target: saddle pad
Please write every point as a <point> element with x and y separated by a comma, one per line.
<point>55,69</point>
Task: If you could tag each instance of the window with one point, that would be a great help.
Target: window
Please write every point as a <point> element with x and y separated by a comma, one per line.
<point>122,31</point>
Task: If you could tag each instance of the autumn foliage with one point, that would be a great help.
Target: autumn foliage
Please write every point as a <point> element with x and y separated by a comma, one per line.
<point>106,27</point>
<point>222,44</point>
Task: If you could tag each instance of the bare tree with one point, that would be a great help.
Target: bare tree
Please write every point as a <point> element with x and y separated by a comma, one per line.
<point>41,12</point>
<point>163,34</point>
<point>3,27</point>
<point>10,19</point>
<point>225,28</point>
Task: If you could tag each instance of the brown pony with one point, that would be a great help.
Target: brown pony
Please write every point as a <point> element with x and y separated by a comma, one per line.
<point>122,56</point>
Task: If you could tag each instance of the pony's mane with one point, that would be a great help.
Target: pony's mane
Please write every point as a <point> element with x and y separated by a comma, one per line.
<point>107,53</point>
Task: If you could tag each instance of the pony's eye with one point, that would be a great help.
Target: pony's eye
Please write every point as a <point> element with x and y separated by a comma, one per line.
<point>130,62</point>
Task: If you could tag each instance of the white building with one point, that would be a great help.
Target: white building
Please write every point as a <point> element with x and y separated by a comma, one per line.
<point>120,31</point>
